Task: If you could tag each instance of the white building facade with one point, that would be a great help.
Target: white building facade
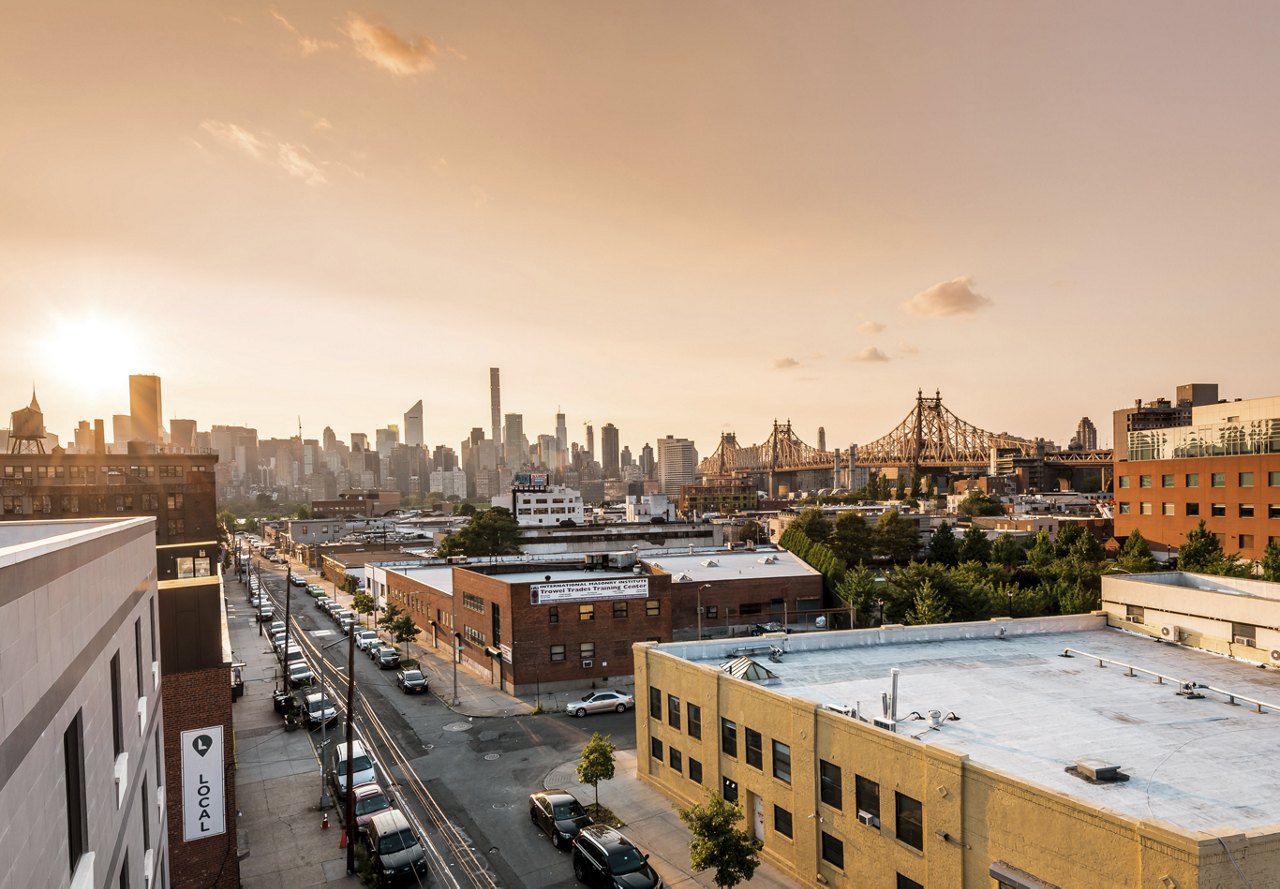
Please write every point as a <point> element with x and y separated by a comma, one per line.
<point>542,506</point>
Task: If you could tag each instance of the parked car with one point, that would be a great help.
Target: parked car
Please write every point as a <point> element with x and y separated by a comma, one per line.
<point>388,658</point>
<point>319,709</point>
<point>323,602</point>
<point>394,848</point>
<point>373,650</point>
<point>362,766</point>
<point>315,590</point>
<point>297,580</point>
<point>346,623</point>
<point>266,612</point>
<point>277,626</point>
<point>300,674</point>
<point>256,600</point>
<point>412,681</point>
<point>602,856</point>
<point>599,702</point>
<point>278,640</point>
<point>365,638</point>
<point>772,626</point>
<point>370,799</point>
<point>557,814</point>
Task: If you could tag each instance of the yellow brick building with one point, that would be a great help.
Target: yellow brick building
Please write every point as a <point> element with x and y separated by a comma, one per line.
<point>974,781</point>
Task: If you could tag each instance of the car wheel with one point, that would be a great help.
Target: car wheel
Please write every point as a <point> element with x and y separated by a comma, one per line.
<point>580,712</point>
<point>579,871</point>
<point>621,708</point>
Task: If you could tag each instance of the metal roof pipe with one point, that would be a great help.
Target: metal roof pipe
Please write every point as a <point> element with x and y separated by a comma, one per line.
<point>893,694</point>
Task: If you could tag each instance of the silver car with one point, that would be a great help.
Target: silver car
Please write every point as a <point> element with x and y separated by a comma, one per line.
<point>599,702</point>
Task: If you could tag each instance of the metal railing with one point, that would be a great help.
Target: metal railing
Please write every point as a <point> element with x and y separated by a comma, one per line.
<point>1185,685</point>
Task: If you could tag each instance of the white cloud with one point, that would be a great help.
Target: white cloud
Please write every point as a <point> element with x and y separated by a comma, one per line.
<point>955,297</point>
<point>388,50</point>
<point>870,354</point>
<point>295,159</point>
<point>308,45</point>
<point>871,328</point>
<point>235,136</point>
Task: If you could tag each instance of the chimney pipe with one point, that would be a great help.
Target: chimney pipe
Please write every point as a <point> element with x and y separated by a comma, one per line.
<point>893,694</point>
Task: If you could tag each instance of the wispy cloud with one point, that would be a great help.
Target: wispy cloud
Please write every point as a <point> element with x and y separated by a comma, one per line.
<point>785,363</point>
<point>295,159</point>
<point>309,45</point>
<point>383,47</point>
<point>955,297</point>
<point>871,328</point>
<point>870,354</point>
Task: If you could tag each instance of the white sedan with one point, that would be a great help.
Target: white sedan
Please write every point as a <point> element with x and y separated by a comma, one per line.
<point>599,702</point>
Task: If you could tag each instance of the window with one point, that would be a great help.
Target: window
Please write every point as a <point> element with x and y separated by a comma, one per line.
<point>586,612</point>
<point>782,821</point>
<point>867,796</point>
<point>673,711</point>
<point>755,749</point>
<point>729,790</point>
<point>832,850</point>
<point>117,718</point>
<point>474,636</point>
<point>553,614</point>
<point>832,790</point>
<point>586,650</point>
<point>137,652</point>
<point>655,749</point>
<point>1124,509</point>
<point>620,610</point>
<point>1144,481</point>
<point>1218,510</point>
<point>1144,508</point>
<point>1193,479</point>
<point>151,502</point>
<point>145,802</point>
<point>557,654</point>
<point>782,761</point>
<point>1193,509</point>
<point>695,720</point>
<point>675,759</point>
<point>77,809</point>
<point>1273,478</point>
<point>1124,481</point>
<point>151,607</point>
<point>909,818</point>
<point>1246,541</point>
<point>728,737</point>
<point>653,607</point>
<point>655,703</point>
<point>176,527</point>
<point>907,883</point>
<point>750,608</point>
<point>1166,480</point>
<point>1167,509</point>
<point>1245,479</point>
<point>713,612</point>
<point>474,603</point>
<point>1246,510</point>
<point>1135,613</point>
<point>1273,510</point>
<point>1218,479</point>
<point>695,771</point>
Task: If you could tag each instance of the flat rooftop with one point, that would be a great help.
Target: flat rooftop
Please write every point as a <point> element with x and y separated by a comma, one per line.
<point>439,577</point>
<point>24,540</point>
<point>735,565</point>
<point>1197,764</point>
<point>558,575</point>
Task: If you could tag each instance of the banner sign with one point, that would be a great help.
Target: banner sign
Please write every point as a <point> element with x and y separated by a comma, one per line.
<point>531,480</point>
<point>204,801</point>
<point>589,590</point>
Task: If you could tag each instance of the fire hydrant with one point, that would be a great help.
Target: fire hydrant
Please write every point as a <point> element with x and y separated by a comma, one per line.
<point>324,825</point>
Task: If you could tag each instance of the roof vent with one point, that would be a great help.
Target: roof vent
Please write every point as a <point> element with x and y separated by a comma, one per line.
<point>681,578</point>
<point>710,563</point>
<point>767,560</point>
<point>1098,771</point>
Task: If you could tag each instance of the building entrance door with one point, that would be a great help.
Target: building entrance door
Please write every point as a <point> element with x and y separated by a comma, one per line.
<point>759,819</point>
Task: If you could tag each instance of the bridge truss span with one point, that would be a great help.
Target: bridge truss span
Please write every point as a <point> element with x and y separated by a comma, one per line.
<point>932,437</point>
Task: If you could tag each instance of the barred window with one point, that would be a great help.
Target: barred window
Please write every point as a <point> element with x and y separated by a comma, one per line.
<point>475,603</point>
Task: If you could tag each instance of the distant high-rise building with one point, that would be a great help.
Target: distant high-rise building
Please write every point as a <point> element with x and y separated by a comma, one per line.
<point>413,425</point>
<point>1086,434</point>
<point>591,442</point>
<point>1158,414</point>
<point>625,457</point>
<point>562,441</point>
<point>677,464</point>
<point>495,406</point>
<point>121,430</point>
<point>444,459</point>
<point>822,438</point>
<point>609,450</point>
<point>329,439</point>
<point>387,439</point>
<point>515,449</point>
<point>646,460</point>
<point>84,438</point>
<point>359,442</point>
<point>182,434</point>
<point>144,408</point>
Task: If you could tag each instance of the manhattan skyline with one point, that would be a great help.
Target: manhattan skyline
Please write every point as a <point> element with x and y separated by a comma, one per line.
<point>681,220</point>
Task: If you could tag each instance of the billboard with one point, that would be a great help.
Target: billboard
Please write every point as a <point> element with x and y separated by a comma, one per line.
<point>589,590</point>
<point>204,799</point>
<point>530,480</point>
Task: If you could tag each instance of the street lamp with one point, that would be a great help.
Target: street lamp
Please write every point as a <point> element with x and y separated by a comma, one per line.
<point>457,653</point>
<point>705,586</point>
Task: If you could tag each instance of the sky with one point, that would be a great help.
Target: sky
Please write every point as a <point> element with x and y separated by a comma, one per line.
<point>681,218</point>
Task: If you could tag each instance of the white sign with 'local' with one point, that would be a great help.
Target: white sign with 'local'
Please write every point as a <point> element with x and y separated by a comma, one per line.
<point>204,799</point>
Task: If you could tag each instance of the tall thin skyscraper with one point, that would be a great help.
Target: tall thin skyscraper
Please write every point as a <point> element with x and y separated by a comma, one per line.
<point>591,442</point>
<point>609,450</point>
<point>144,408</point>
<point>413,426</point>
<point>562,442</point>
<point>495,407</point>
<point>121,430</point>
<point>822,438</point>
<point>515,451</point>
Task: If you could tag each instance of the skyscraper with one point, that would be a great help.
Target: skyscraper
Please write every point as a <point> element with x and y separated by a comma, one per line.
<point>646,460</point>
<point>822,438</point>
<point>515,448</point>
<point>562,441</point>
<point>609,450</point>
<point>591,442</point>
<point>1087,434</point>
<point>121,431</point>
<point>495,406</point>
<point>677,464</point>
<point>144,408</point>
<point>182,434</point>
<point>413,426</point>
<point>387,439</point>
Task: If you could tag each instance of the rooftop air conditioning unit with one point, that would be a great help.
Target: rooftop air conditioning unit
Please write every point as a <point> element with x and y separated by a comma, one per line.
<point>588,664</point>
<point>868,819</point>
<point>887,724</point>
<point>1170,633</point>
<point>1275,654</point>
<point>1242,640</point>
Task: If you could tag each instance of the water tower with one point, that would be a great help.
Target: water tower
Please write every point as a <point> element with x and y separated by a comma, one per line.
<point>26,428</point>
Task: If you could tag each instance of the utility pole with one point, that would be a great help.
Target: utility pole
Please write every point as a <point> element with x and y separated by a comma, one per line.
<point>457,652</point>
<point>349,822</point>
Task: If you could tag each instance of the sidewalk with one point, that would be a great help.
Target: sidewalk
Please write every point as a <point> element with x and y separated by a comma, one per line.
<point>277,776</point>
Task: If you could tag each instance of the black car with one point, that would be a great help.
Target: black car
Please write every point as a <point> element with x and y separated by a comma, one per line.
<point>604,857</point>
<point>771,627</point>
<point>559,815</point>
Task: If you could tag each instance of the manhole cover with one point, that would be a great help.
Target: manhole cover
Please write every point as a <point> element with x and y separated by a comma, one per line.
<point>492,756</point>
<point>502,805</point>
<point>458,727</point>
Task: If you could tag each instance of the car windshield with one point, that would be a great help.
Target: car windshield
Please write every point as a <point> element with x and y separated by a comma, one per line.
<point>375,802</point>
<point>587,697</point>
<point>398,841</point>
<point>412,675</point>
<point>565,811</point>
<point>319,705</point>
<point>299,668</point>
<point>359,764</point>
<point>625,860</point>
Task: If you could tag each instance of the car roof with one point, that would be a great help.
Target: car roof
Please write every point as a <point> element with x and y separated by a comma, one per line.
<point>367,789</point>
<point>606,836</point>
<point>556,795</point>
<point>389,821</point>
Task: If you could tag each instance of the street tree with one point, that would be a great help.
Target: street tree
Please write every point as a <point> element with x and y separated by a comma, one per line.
<point>1135,556</point>
<point>1006,550</point>
<point>851,538</point>
<point>857,590</point>
<point>1202,553</point>
<point>390,614</point>
<point>597,763</point>
<point>350,585</point>
<point>753,532</point>
<point>718,842</point>
<point>493,532</point>
<point>974,545</point>
<point>364,605</point>
<point>1271,561</point>
<point>944,549</point>
<point>814,525</point>
<point>895,538</point>
<point>928,607</point>
<point>404,631</point>
<point>978,503</point>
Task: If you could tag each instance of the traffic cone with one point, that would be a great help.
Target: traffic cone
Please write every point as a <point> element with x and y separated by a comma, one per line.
<point>324,825</point>
<point>342,843</point>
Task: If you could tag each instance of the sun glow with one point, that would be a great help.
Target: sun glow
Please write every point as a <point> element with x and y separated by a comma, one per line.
<point>90,351</point>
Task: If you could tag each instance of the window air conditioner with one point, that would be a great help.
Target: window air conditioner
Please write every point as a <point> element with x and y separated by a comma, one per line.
<point>588,664</point>
<point>868,819</point>
<point>1170,633</point>
<point>1242,640</point>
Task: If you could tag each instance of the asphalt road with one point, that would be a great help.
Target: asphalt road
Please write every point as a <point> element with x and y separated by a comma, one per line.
<point>480,772</point>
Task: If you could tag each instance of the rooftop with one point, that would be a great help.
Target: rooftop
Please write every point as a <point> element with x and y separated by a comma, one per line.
<point>729,565</point>
<point>20,541</point>
<point>439,577</point>
<point>1195,763</point>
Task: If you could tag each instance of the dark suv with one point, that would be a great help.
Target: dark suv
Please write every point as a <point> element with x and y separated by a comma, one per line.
<point>604,857</point>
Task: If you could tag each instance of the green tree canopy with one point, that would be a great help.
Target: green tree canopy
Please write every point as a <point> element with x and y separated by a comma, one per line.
<point>851,538</point>
<point>1135,556</point>
<point>974,545</point>
<point>752,531</point>
<point>1271,561</point>
<point>493,532</point>
<point>1202,553</point>
<point>857,588</point>
<point>364,604</point>
<point>597,763</point>
<point>718,842</point>
<point>928,607</point>
<point>814,525</point>
<point>895,538</point>
<point>404,630</point>
<point>944,549</point>
<point>390,614</point>
<point>1006,550</point>
<point>978,503</point>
